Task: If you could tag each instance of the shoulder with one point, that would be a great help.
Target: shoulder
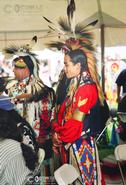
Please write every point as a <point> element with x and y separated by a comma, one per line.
<point>13,168</point>
<point>121,77</point>
<point>9,141</point>
<point>122,73</point>
<point>88,89</point>
<point>86,97</point>
<point>9,148</point>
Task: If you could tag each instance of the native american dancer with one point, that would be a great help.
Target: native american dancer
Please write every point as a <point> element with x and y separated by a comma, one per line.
<point>32,98</point>
<point>71,138</point>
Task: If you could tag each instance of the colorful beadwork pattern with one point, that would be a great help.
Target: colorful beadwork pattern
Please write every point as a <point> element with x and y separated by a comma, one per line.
<point>84,151</point>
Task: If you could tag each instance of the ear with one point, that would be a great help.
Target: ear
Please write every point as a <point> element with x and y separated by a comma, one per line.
<point>78,65</point>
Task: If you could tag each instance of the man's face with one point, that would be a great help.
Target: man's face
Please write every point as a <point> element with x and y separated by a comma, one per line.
<point>71,69</point>
<point>21,73</point>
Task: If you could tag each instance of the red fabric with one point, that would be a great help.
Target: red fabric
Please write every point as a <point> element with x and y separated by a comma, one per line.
<point>61,113</point>
<point>70,131</point>
<point>64,158</point>
<point>45,116</point>
<point>84,99</point>
<point>54,126</point>
<point>103,180</point>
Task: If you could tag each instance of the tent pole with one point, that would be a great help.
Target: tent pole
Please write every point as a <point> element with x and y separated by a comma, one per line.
<point>102,38</point>
<point>102,56</point>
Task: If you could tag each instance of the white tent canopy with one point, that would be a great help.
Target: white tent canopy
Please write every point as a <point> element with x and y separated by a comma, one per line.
<point>21,20</point>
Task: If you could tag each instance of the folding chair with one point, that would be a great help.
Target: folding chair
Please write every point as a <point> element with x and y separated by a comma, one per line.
<point>66,174</point>
<point>120,155</point>
<point>122,116</point>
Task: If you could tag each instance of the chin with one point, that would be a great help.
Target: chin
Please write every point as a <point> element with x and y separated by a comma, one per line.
<point>68,76</point>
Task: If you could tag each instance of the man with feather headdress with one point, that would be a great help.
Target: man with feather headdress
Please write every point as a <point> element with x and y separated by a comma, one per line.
<point>33,99</point>
<point>71,136</point>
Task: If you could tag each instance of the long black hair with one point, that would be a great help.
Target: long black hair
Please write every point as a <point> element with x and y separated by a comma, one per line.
<point>78,56</point>
<point>88,63</point>
<point>9,130</point>
<point>62,86</point>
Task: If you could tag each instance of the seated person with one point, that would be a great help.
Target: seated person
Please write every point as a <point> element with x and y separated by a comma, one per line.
<point>28,134</point>
<point>17,159</point>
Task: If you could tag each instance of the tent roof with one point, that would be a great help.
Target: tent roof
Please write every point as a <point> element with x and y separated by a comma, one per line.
<point>21,20</point>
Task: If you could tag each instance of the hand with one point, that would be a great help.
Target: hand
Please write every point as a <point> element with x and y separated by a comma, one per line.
<point>55,150</point>
<point>56,143</point>
<point>56,140</point>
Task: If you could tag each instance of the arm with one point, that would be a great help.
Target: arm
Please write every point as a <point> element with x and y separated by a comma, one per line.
<point>23,96</point>
<point>120,81</point>
<point>86,97</point>
<point>72,129</point>
<point>118,93</point>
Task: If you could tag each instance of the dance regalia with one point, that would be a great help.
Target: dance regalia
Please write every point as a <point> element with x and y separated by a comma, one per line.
<point>32,98</point>
<point>37,109</point>
<point>78,146</point>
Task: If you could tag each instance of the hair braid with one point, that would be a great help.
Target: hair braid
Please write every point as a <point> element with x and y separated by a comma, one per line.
<point>94,74</point>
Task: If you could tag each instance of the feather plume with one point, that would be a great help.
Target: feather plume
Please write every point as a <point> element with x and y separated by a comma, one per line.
<point>83,35</point>
<point>93,23</point>
<point>54,27</point>
<point>74,36</point>
<point>64,25</point>
<point>55,31</point>
<point>57,45</point>
<point>48,20</point>
<point>70,11</point>
<point>32,43</point>
<point>51,28</point>
<point>24,49</point>
<point>85,27</point>
<point>34,38</point>
<point>11,50</point>
<point>14,50</point>
<point>37,86</point>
